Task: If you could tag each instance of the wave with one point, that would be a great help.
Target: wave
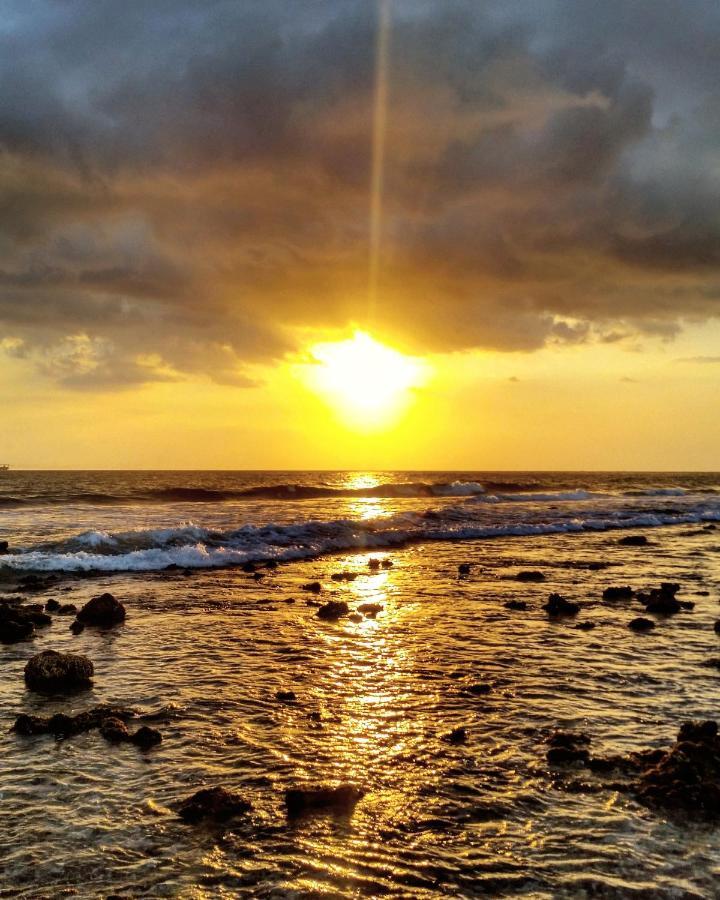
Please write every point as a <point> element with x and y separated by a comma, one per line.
<point>193,546</point>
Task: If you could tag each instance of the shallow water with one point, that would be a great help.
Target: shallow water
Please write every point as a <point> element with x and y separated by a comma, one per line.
<point>212,648</point>
<point>207,649</point>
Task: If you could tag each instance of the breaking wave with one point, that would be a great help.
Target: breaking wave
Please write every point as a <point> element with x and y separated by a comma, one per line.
<point>192,546</point>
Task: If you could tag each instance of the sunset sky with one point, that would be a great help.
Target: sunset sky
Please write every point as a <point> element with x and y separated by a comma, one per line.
<point>184,235</point>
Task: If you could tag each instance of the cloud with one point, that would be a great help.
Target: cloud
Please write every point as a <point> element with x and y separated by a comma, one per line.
<point>188,180</point>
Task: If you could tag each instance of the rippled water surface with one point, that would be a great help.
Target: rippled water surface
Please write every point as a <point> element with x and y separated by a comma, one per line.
<point>207,647</point>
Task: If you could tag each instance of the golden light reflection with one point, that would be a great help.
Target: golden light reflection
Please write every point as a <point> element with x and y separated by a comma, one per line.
<point>365,381</point>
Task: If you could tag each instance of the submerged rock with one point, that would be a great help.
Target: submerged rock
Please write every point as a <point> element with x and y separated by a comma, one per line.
<point>67,609</point>
<point>344,576</point>
<point>104,611</point>
<point>641,624</point>
<point>633,540</point>
<point>464,569</point>
<point>52,606</point>
<point>114,730</point>
<point>530,576</point>
<point>568,747</point>
<point>286,696</point>
<point>77,627</point>
<point>559,606</point>
<point>51,671</point>
<point>478,690</point>
<point>217,804</point>
<point>662,600</point>
<point>356,618</point>
<point>13,630</point>
<point>370,609</point>
<point>387,563</point>
<point>146,737</point>
<point>374,564</point>
<point>456,736</point>
<point>62,725</point>
<point>333,610</point>
<point>4,546</point>
<point>340,799</point>
<point>314,587</point>
<point>618,593</point>
<point>520,605</point>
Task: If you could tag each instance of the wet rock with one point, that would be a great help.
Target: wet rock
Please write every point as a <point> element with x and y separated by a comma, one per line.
<point>478,690</point>
<point>559,606</point>
<point>618,593</point>
<point>662,600</point>
<point>67,609</point>
<point>216,804</point>
<point>13,630</point>
<point>103,611</point>
<point>77,627</point>
<point>633,540</point>
<point>344,576</point>
<point>716,627</point>
<point>114,730</point>
<point>333,610</point>
<point>51,671</point>
<point>530,576</point>
<point>37,617</point>
<point>702,593</point>
<point>370,609</point>
<point>340,799</point>
<point>520,605</point>
<point>713,663</point>
<point>685,778</point>
<point>315,603</point>
<point>641,624</point>
<point>62,725</point>
<point>4,546</point>
<point>456,736</point>
<point>585,626</point>
<point>313,587</point>
<point>271,564</point>
<point>286,696</point>
<point>356,618</point>
<point>387,563</point>
<point>464,569</point>
<point>374,564</point>
<point>567,747</point>
<point>258,576</point>
<point>146,737</point>
<point>52,606</point>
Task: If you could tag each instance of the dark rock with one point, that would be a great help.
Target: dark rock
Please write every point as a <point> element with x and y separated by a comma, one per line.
<point>217,804</point>
<point>567,747</point>
<point>585,626</point>
<point>530,576</point>
<point>559,606</point>
<point>698,731</point>
<point>710,528</point>
<point>286,696</point>
<point>662,600</point>
<point>456,736</point>
<point>4,546</point>
<point>713,663</point>
<point>14,630</point>
<point>520,605</point>
<point>370,609</point>
<point>67,609</point>
<point>618,593</point>
<point>52,606</point>
<point>271,564</point>
<point>344,576</point>
<point>258,576</point>
<point>356,617</point>
<point>374,564</point>
<point>314,587</point>
<point>289,600</point>
<point>50,671</point>
<point>386,563</point>
<point>104,611</point>
<point>702,593</point>
<point>146,737</point>
<point>333,610</point>
<point>77,627</point>
<point>340,799</point>
<point>641,624</point>
<point>62,725</point>
<point>39,619</point>
<point>478,690</point>
<point>716,627</point>
<point>633,540</point>
<point>114,730</point>
<point>464,569</point>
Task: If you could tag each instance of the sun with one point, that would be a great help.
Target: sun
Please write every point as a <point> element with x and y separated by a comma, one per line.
<point>367,382</point>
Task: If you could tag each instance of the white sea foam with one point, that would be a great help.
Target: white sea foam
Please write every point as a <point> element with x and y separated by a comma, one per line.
<point>192,546</point>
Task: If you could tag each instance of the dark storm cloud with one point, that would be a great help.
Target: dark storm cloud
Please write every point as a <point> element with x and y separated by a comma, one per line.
<point>184,181</point>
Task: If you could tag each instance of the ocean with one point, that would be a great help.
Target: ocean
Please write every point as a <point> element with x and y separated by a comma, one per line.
<point>213,633</point>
